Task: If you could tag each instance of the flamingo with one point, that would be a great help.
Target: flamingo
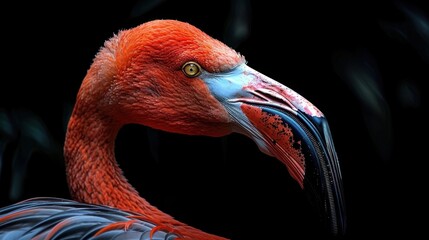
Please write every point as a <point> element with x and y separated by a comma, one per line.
<point>170,75</point>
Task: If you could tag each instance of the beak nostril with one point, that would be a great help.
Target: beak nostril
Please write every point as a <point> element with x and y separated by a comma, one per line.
<point>272,96</point>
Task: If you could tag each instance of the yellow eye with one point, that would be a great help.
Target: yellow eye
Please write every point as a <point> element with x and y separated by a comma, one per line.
<point>191,69</point>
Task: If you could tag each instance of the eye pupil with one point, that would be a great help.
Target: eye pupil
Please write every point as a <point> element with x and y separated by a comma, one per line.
<point>191,69</point>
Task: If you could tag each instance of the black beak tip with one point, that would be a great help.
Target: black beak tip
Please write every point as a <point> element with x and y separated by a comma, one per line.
<point>323,180</point>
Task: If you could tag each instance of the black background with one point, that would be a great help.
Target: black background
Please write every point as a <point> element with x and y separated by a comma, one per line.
<point>362,63</point>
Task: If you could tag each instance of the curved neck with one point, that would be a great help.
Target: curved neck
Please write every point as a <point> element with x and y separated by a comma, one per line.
<point>92,172</point>
<point>94,176</point>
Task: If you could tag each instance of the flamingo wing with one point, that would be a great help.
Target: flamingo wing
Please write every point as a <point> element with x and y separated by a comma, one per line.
<point>54,218</point>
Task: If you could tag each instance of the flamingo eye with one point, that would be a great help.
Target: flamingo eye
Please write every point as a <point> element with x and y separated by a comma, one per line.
<point>191,69</point>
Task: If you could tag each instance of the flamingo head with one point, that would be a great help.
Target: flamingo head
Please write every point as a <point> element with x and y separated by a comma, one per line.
<point>171,76</point>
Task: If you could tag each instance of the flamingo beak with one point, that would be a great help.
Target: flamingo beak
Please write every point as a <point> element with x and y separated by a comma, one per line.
<point>288,127</point>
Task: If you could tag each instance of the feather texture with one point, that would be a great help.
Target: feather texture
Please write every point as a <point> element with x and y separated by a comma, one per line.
<point>54,218</point>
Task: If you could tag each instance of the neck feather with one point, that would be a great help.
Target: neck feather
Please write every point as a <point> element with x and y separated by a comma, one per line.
<point>93,174</point>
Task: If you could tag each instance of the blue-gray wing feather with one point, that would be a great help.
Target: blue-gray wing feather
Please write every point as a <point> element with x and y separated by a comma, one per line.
<point>66,219</point>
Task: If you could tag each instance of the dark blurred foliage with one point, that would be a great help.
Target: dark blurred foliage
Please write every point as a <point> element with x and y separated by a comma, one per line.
<point>363,63</point>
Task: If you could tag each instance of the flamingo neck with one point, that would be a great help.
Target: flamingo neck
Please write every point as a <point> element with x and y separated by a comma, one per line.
<point>94,176</point>
<point>92,172</point>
